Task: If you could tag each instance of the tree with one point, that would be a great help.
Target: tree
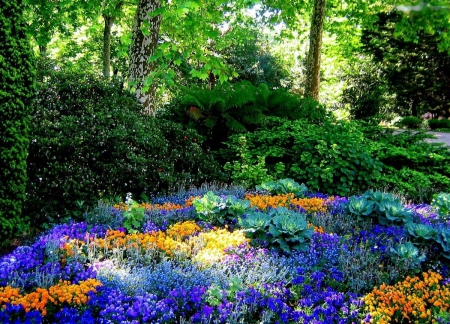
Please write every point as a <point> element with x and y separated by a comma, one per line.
<point>416,70</point>
<point>315,46</point>
<point>16,90</point>
<point>144,41</point>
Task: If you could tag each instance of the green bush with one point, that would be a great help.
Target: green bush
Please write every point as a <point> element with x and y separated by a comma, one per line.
<point>438,123</point>
<point>229,109</point>
<point>412,167</point>
<point>330,158</point>
<point>90,140</point>
<point>17,75</point>
<point>410,122</point>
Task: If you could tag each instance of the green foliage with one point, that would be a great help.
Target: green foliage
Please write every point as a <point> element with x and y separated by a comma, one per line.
<point>90,140</point>
<point>16,91</point>
<point>441,202</point>
<point>219,210</point>
<point>411,58</point>
<point>284,186</point>
<point>361,207</point>
<point>438,123</point>
<point>366,92</point>
<point>379,207</point>
<point>421,233</point>
<point>280,228</point>
<point>245,171</point>
<point>236,108</point>
<point>443,239</point>
<point>134,215</point>
<point>412,167</point>
<point>332,157</point>
<point>104,214</point>
<point>410,122</point>
<point>407,253</point>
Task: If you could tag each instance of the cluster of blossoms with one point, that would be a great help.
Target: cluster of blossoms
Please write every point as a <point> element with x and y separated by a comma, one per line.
<point>414,300</point>
<point>62,293</point>
<point>308,205</point>
<point>177,270</point>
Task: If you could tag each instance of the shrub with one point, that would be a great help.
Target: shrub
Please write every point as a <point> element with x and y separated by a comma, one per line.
<point>332,157</point>
<point>16,90</point>
<point>410,122</point>
<point>90,140</point>
<point>235,108</point>
<point>438,123</point>
<point>412,167</point>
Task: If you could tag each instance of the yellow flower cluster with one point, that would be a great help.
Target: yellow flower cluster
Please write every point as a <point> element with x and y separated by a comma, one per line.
<point>215,242</point>
<point>63,292</point>
<point>311,205</point>
<point>414,300</point>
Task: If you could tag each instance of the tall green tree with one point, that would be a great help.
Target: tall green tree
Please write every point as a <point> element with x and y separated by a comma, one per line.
<point>315,48</point>
<point>16,91</point>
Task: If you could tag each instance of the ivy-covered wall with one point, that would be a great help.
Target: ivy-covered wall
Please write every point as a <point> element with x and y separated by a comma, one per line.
<point>16,90</point>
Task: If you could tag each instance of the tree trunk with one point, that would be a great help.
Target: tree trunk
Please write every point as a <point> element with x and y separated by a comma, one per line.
<point>107,45</point>
<point>143,46</point>
<point>315,46</point>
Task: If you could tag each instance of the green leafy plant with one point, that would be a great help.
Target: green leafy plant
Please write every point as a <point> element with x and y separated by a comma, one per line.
<point>438,123</point>
<point>284,186</point>
<point>247,172</point>
<point>381,207</point>
<point>90,140</point>
<point>443,238</point>
<point>329,158</point>
<point>220,209</point>
<point>410,122</point>
<point>280,227</point>
<point>421,233</point>
<point>361,207</point>
<point>17,88</point>
<point>394,214</point>
<point>441,202</point>
<point>133,216</point>
<point>408,253</point>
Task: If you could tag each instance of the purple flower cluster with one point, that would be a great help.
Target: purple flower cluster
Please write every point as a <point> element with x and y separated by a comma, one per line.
<point>321,303</point>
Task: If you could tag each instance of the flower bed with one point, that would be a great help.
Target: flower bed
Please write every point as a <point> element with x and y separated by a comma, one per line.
<point>231,256</point>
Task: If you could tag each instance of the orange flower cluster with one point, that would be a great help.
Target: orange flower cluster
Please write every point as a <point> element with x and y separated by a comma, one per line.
<point>413,300</point>
<point>262,202</point>
<point>190,201</point>
<point>63,292</point>
<point>181,231</point>
<point>311,205</point>
<point>317,229</point>
<point>169,242</point>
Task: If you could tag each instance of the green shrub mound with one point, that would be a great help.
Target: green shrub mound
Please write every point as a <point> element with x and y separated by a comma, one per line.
<point>439,123</point>
<point>411,166</point>
<point>17,75</point>
<point>228,109</point>
<point>332,157</point>
<point>409,122</point>
<point>90,140</point>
